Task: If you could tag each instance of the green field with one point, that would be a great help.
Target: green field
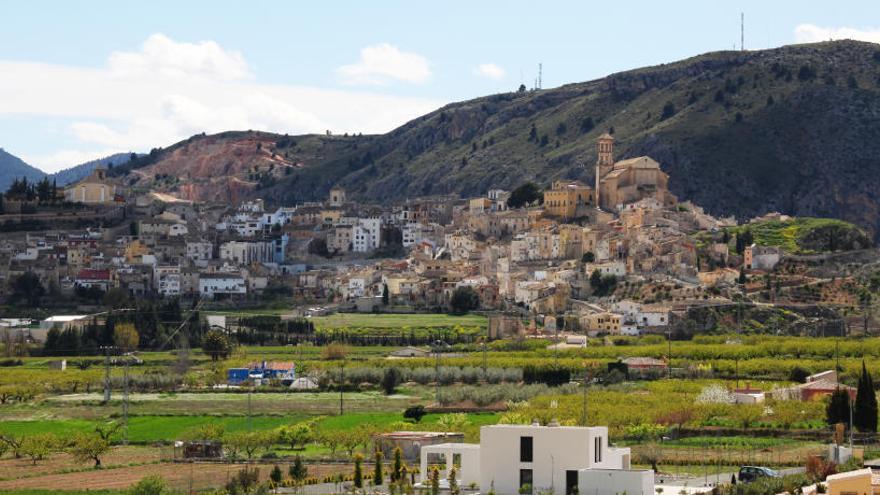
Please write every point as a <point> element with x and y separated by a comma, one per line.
<point>357,320</point>
<point>149,429</point>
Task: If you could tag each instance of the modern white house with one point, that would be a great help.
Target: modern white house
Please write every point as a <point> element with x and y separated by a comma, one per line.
<point>560,459</point>
<point>212,285</point>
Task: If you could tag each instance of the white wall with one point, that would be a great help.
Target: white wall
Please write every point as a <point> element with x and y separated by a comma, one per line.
<point>555,450</point>
<point>614,482</point>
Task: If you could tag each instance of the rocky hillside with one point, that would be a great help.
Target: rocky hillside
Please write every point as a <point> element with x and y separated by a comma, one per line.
<point>794,129</point>
<point>231,166</point>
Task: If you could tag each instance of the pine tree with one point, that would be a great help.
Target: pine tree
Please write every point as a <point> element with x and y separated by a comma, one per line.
<point>865,408</point>
<point>377,469</point>
<point>453,482</point>
<point>435,481</point>
<point>298,472</point>
<point>275,475</point>
<point>838,408</point>
<point>397,469</point>
<point>358,471</point>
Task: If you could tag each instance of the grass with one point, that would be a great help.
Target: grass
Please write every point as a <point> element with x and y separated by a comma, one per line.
<point>148,429</point>
<point>356,320</point>
<point>736,442</point>
<point>152,429</point>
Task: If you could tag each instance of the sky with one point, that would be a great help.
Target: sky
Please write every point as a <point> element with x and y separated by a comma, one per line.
<point>82,80</point>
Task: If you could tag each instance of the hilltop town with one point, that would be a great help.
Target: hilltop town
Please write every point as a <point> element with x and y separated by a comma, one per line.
<point>620,257</point>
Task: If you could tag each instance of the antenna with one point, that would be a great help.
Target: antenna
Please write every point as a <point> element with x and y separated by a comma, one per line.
<point>742,31</point>
<point>539,74</point>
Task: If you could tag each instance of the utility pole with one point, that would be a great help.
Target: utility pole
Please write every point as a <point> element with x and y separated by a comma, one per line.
<point>837,352</point>
<point>851,426</point>
<point>556,348</point>
<point>125,403</point>
<point>341,385</point>
<point>250,421</point>
<point>586,382</point>
<point>742,31</point>
<point>106,374</point>
<point>540,70</point>
<point>437,371</point>
<point>483,345</point>
<point>736,371</point>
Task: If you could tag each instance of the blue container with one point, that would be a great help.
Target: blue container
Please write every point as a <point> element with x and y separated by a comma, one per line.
<point>236,376</point>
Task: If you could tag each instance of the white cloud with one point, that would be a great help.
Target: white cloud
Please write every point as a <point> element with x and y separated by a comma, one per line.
<point>490,71</point>
<point>810,33</point>
<point>161,55</point>
<point>384,63</point>
<point>169,91</point>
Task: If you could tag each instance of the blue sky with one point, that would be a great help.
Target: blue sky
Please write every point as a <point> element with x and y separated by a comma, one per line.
<point>82,79</point>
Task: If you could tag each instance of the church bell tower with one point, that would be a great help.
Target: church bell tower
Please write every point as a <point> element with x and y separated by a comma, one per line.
<point>605,161</point>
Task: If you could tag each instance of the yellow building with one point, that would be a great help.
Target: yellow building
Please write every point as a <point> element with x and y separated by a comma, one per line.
<point>628,181</point>
<point>135,250</point>
<point>94,189</point>
<point>601,322</point>
<point>858,482</point>
<point>567,199</point>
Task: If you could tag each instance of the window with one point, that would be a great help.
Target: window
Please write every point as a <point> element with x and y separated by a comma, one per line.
<point>597,449</point>
<point>525,450</point>
<point>525,480</point>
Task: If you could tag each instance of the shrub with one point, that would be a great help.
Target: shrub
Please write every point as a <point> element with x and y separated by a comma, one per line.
<point>390,380</point>
<point>798,374</point>
<point>150,485</point>
<point>668,111</point>
<point>551,375</point>
<point>414,413</point>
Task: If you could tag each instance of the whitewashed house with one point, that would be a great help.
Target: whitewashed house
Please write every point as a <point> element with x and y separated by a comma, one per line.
<point>557,459</point>
<point>213,284</point>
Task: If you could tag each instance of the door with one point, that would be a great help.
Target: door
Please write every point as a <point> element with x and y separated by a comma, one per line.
<point>571,482</point>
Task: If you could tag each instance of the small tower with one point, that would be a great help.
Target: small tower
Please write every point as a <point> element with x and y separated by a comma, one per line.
<point>605,160</point>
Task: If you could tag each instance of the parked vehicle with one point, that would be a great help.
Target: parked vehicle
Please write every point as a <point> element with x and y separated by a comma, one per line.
<point>747,474</point>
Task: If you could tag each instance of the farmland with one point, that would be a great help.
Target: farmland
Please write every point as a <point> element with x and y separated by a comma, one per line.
<point>170,402</point>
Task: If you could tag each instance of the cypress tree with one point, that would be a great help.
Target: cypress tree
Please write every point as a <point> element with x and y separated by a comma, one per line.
<point>838,408</point>
<point>397,469</point>
<point>865,408</point>
<point>358,471</point>
<point>377,470</point>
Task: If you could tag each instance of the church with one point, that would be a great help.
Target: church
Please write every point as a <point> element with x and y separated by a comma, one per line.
<point>94,189</point>
<point>628,181</point>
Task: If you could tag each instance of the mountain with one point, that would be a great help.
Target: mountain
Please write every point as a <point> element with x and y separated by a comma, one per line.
<point>13,167</point>
<point>78,172</point>
<point>794,129</point>
<point>233,165</point>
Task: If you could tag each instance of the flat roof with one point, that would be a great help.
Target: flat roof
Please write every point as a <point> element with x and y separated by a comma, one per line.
<point>66,317</point>
<point>457,446</point>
